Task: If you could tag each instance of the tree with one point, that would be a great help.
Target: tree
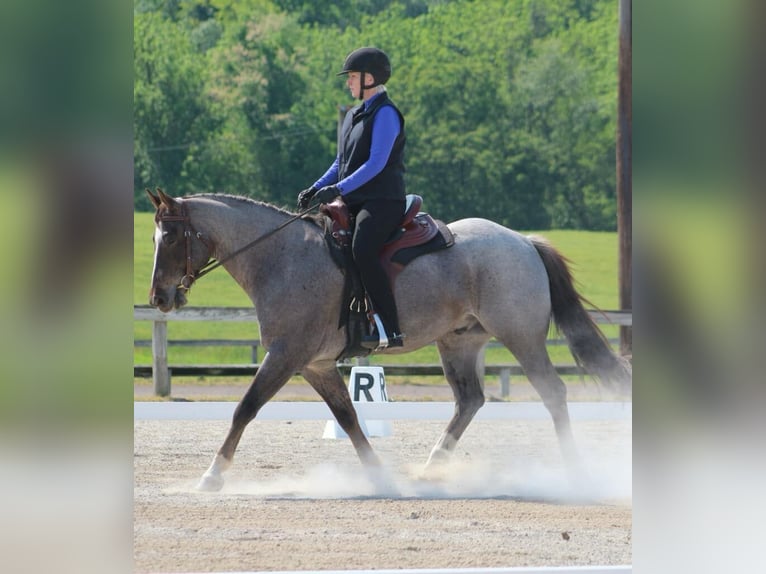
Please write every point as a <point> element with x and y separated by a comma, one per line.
<point>171,113</point>
<point>509,105</point>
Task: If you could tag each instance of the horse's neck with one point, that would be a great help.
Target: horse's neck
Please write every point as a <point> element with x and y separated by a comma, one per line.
<point>231,225</point>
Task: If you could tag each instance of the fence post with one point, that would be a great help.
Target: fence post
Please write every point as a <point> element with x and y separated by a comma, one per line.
<point>254,354</point>
<point>505,382</point>
<point>160,373</point>
<point>481,361</point>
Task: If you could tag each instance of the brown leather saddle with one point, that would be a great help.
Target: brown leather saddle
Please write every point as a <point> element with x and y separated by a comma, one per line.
<point>413,237</point>
<point>417,234</point>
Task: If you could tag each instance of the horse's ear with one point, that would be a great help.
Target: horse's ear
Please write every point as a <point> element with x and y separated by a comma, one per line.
<point>153,198</point>
<point>165,198</point>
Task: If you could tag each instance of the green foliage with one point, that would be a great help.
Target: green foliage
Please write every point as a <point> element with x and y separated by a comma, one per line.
<point>173,119</point>
<point>345,13</point>
<point>509,104</point>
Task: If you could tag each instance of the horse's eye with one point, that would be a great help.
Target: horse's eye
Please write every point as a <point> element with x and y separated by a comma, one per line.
<point>168,238</point>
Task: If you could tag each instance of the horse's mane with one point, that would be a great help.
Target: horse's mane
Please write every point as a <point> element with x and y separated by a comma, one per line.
<point>316,219</point>
<point>230,198</point>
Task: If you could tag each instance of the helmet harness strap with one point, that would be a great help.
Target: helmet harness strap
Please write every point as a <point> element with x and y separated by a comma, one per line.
<point>363,86</point>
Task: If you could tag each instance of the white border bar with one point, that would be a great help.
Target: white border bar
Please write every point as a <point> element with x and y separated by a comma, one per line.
<point>578,411</point>
<point>512,570</point>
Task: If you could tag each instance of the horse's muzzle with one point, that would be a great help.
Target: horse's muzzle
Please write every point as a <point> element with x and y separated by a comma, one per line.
<point>159,300</point>
<point>165,301</point>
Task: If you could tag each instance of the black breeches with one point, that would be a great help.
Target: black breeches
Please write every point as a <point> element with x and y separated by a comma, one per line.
<point>375,222</point>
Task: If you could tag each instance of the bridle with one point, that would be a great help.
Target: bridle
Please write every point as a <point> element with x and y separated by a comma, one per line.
<point>191,276</point>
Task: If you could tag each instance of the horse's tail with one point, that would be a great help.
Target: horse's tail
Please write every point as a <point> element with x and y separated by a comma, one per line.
<point>587,343</point>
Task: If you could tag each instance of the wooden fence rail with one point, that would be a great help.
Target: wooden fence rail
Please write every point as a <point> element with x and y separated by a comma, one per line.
<point>161,371</point>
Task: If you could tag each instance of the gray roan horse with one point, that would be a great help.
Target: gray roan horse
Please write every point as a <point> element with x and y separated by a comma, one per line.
<point>493,282</point>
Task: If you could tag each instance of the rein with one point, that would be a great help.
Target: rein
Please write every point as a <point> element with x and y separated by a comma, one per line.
<point>191,276</point>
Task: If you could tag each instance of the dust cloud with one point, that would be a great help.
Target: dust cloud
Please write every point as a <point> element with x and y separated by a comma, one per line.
<point>605,480</point>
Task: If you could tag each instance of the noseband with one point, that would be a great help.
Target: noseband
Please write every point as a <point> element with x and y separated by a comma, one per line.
<point>191,276</point>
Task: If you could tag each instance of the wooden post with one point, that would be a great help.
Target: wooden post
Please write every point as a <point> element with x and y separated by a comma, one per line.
<point>160,373</point>
<point>625,170</point>
<point>481,362</point>
<point>505,382</point>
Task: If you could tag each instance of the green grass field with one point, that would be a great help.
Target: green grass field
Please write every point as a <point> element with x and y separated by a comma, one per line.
<point>593,257</point>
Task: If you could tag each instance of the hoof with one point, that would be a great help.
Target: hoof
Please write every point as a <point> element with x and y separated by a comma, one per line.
<point>433,474</point>
<point>383,483</point>
<point>210,483</point>
<point>437,468</point>
<point>438,460</point>
<point>579,478</point>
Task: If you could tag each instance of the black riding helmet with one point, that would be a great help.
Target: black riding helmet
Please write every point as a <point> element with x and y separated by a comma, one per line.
<point>368,61</point>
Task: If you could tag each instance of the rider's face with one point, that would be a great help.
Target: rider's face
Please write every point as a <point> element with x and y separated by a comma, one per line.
<point>353,83</point>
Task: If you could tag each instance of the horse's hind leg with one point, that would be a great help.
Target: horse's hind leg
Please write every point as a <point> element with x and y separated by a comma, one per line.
<point>552,390</point>
<point>274,372</point>
<point>459,356</point>
<point>328,382</point>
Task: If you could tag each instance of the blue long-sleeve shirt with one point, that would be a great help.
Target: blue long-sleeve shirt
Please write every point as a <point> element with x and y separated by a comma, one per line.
<point>385,129</point>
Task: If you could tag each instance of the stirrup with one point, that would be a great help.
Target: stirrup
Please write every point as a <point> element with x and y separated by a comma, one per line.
<point>378,340</point>
<point>370,342</point>
<point>373,343</point>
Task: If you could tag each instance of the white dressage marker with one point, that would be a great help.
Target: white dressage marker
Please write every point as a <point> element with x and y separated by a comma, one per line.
<point>365,385</point>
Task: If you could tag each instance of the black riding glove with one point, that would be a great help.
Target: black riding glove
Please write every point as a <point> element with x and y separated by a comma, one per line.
<point>305,196</point>
<point>328,193</point>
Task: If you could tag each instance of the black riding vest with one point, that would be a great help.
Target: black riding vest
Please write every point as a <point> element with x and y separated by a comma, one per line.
<point>354,143</point>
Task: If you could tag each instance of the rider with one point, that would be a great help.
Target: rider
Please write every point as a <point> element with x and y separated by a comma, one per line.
<point>368,173</point>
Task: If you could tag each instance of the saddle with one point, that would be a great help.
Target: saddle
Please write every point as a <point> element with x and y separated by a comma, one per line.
<point>417,234</point>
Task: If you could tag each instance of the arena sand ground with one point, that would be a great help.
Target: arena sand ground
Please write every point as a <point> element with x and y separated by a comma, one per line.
<point>296,501</point>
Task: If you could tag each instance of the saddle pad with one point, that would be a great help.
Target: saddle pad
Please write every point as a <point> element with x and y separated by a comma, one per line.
<point>443,239</point>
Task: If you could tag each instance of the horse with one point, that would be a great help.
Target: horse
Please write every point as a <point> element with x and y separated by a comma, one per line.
<point>493,282</point>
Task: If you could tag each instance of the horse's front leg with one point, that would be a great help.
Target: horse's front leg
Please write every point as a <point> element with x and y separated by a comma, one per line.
<point>272,375</point>
<point>328,382</point>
